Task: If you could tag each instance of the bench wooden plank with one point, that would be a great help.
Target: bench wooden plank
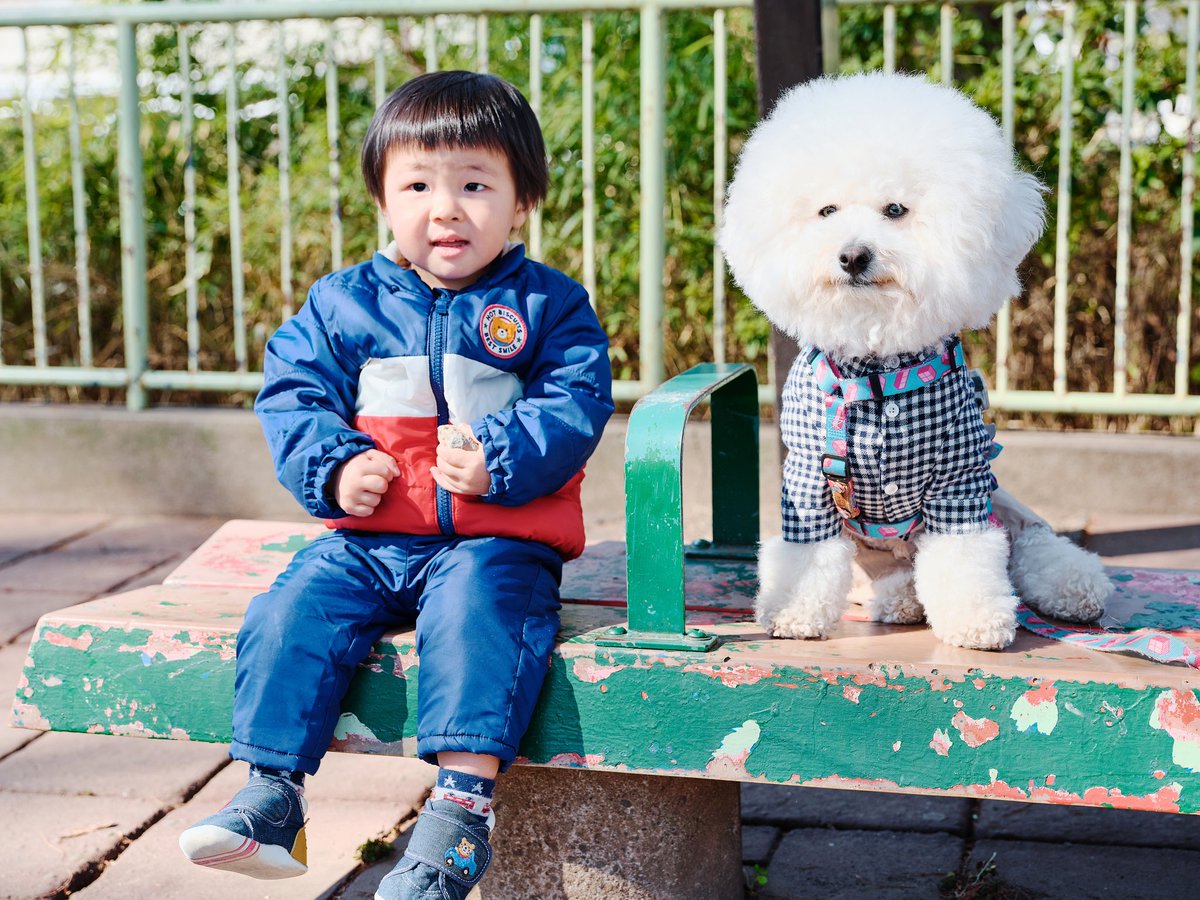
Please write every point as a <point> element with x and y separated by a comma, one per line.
<point>250,554</point>
<point>873,707</point>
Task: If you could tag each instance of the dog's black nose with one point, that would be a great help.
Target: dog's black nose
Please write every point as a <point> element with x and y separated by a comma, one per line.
<point>855,259</point>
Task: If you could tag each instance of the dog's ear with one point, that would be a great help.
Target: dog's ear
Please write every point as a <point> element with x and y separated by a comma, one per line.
<point>1024,217</point>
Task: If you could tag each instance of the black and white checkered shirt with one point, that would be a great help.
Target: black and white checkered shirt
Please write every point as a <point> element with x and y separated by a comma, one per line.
<point>925,451</point>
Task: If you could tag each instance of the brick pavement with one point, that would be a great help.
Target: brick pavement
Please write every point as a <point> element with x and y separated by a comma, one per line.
<point>99,816</point>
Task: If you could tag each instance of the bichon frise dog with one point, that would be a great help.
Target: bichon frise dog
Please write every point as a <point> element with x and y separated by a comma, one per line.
<point>873,218</point>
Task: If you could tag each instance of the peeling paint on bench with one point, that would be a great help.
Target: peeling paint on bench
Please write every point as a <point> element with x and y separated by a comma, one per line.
<point>875,707</point>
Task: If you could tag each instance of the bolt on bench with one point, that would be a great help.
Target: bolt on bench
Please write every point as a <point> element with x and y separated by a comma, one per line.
<point>660,670</point>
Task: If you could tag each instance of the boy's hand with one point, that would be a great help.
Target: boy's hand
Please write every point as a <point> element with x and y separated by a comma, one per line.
<point>361,481</point>
<point>460,471</point>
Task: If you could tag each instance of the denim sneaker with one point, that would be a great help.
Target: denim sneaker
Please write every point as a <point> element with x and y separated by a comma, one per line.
<point>259,833</point>
<point>446,856</point>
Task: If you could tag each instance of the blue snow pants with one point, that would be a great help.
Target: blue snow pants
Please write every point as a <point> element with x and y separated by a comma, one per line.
<point>486,616</point>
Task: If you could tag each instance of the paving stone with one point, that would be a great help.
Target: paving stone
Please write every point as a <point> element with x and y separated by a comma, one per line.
<point>20,609</point>
<point>1086,825</point>
<point>366,882</point>
<point>354,776</point>
<point>12,662</point>
<point>757,842</point>
<point>153,865</point>
<point>850,865</point>
<point>820,807</point>
<point>48,838</point>
<point>107,766</point>
<point>105,559</point>
<point>24,534</point>
<point>1082,872</point>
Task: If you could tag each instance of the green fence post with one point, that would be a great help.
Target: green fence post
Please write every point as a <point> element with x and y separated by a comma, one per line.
<point>133,219</point>
<point>652,155</point>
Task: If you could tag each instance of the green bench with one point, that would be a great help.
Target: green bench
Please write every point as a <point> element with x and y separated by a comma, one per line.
<point>660,670</point>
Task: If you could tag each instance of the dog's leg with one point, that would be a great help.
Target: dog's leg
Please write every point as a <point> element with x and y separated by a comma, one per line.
<point>962,581</point>
<point>1054,576</point>
<point>803,588</point>
<point>887,593</point>
<point>894,599</point>
<point>1058,578</point>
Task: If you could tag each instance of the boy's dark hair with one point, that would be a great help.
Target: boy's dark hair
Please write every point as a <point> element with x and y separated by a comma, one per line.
<point>459,109</point>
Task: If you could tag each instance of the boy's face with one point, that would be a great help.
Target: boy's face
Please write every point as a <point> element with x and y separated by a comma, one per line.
<point>450,210</point>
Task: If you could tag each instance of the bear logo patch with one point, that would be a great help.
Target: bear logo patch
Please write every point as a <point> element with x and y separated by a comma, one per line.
<point>503,331</point>
<point>462,858</point>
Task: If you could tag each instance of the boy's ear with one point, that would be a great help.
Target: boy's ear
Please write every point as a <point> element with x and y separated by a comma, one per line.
<point>520,215</point>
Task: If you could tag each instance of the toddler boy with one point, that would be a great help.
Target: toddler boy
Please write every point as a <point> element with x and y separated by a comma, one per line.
<point>450,326</point>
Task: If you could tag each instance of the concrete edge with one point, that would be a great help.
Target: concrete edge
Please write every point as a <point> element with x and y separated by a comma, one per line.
<point>214,462</point>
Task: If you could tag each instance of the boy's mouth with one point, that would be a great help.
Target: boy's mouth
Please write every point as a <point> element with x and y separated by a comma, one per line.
<point>451,243</point>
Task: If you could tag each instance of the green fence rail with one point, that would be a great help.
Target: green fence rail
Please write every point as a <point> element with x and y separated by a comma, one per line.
<point>194,22</point>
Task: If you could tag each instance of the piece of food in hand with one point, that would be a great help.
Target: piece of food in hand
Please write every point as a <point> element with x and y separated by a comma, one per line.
<point>451,437</point>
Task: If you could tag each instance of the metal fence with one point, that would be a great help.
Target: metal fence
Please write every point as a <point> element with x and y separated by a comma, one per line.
<point>431,19</point>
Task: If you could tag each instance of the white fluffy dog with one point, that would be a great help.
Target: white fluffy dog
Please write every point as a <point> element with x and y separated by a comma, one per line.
<point>873,218</point>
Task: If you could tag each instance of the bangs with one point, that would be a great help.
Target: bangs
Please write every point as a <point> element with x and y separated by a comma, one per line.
<point>459,110</point>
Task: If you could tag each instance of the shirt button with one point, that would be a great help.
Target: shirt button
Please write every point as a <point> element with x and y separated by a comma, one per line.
<point>892,362</point>
<point>892,409</point>
<point>891,488</point>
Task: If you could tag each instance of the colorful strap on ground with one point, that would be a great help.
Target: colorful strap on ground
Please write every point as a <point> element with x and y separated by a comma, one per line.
<point>1160,646</point>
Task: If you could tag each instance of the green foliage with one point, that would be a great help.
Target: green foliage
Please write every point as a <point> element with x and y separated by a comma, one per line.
<point>688,209</point>
<point>1156,157</point>
<point>374,849</point>
<point>166,154</point>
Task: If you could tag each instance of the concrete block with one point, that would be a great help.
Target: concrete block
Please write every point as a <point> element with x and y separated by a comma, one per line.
<point>177,462</point>
<point>1062,469</point>
<point>824,807</point>
<point>48,838</point>
<point>106,766</point>
<point>1084,872</point>
<point>167,461</point>
<point>849,865</point>
<point>672,838</point>
<point>1086,825</point>
<point>153,865</point>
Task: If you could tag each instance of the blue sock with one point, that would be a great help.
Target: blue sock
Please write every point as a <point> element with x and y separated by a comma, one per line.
<point>472,792</point>
<point>459,810</point>
<point>296,778</point>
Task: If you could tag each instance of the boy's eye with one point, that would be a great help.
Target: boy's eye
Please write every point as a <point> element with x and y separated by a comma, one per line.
<point>418,186</point>
<point>474,187</point>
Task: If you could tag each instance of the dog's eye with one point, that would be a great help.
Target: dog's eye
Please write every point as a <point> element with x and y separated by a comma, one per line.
<point>895,210</point>
<point>827,211</point>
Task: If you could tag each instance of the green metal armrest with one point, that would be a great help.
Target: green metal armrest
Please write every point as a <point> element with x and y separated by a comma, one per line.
<point>654,498</point>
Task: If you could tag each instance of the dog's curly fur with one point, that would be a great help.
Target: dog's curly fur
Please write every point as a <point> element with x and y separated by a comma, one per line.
<point>923,180</point>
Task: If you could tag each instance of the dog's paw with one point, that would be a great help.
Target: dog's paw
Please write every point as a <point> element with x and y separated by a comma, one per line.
<point>803,587</point>
<point>993,631</point>
<point>1058,578</point>
<point>894,600</point>
<point>963,584</point>
<point>803,618</point>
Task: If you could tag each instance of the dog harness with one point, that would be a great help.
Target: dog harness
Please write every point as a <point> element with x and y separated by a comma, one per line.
<point>839,392</point>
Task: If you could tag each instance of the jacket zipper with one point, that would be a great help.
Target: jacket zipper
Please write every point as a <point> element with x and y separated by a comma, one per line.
<point>436,329</point>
